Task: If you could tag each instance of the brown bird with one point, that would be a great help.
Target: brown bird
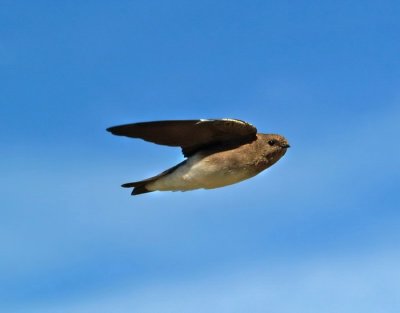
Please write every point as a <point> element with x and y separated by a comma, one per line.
<point>219,152</point>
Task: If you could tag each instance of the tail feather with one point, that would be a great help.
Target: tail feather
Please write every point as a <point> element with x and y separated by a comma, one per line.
<point>139,187</point>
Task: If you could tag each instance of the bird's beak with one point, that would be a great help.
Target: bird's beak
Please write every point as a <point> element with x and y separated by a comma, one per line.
<point>286,146</point>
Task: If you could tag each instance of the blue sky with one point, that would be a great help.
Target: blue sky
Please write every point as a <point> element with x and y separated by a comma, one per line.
<point>318,232</point>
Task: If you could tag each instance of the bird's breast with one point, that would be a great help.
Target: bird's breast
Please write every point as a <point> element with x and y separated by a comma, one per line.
<point>204,171</point>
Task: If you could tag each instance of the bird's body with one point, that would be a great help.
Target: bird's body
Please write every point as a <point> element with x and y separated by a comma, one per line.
<point>214,164</point>
<point>215,168</point>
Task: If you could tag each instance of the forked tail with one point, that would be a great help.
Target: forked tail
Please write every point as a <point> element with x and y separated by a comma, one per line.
<point>139,187</point>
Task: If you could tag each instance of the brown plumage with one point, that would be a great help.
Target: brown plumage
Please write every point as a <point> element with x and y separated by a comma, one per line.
<point>219,152</point>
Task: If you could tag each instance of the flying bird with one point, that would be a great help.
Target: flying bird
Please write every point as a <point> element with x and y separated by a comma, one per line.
<point>219,152</point>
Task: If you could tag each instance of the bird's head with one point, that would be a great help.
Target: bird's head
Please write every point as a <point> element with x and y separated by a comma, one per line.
<point>274,146</point>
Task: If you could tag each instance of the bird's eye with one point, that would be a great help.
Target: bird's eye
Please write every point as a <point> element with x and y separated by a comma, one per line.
<point>271,142</point>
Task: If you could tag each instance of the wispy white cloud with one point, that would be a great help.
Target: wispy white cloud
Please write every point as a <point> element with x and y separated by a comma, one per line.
<point>360,284</point>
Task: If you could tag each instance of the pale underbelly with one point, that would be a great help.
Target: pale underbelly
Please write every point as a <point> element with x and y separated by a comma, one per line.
<point>199,173</point>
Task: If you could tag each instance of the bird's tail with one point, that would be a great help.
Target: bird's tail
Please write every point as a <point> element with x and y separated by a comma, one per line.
<point>139,187</point>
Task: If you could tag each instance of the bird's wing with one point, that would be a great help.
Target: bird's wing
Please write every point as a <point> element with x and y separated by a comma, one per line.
<point>190,135</point>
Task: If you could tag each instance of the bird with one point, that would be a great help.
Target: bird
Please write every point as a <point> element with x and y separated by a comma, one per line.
<point>218,152</point>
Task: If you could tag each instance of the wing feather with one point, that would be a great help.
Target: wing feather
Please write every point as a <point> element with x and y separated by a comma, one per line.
<point>190,135</point>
